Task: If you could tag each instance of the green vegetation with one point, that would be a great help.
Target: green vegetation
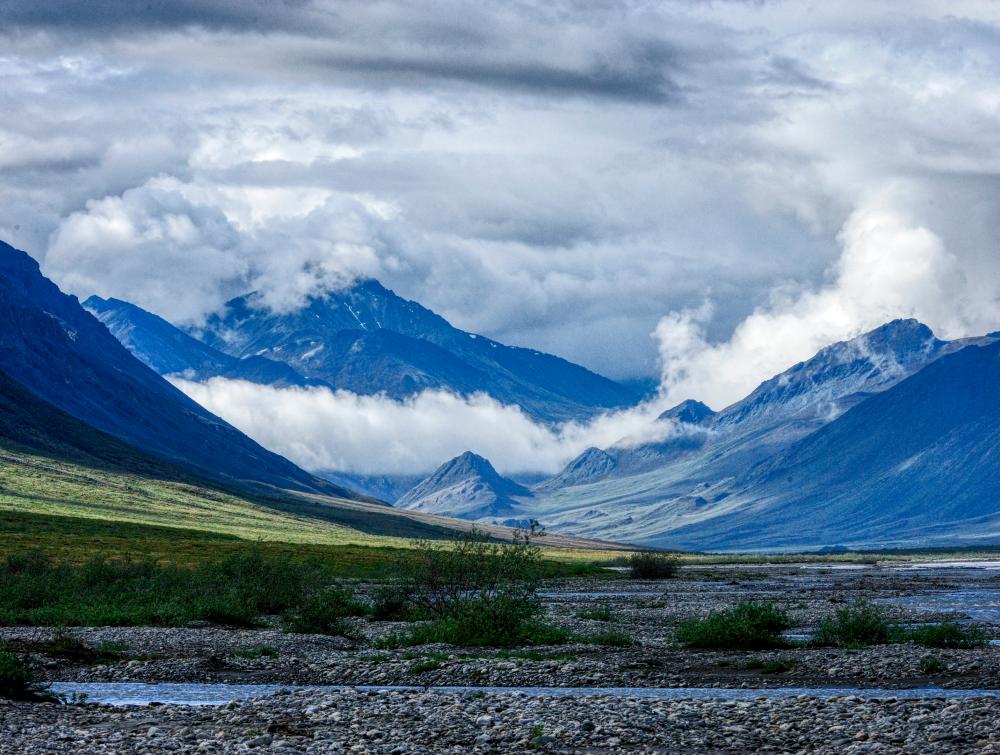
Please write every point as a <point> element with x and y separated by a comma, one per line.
<point>607,637</point>
<point>857,625</point>
<point>596,614</point>
<point>931,665</point>
<point>778,666</point>
<point>652,565</point>
<point>235,591</point>
<point>947,635</point>
<point>325,613</point>
<point>257,651</point>
<point>748,626</point>
<point>425,666</point>
<point>475,593</point>
<point>17,681</point>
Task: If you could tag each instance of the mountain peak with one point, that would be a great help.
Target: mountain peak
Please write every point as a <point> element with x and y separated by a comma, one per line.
<point>466,486</point>
<point>690,412</point>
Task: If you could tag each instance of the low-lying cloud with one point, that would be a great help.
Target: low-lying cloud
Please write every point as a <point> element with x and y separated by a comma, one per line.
<point>320,429</point>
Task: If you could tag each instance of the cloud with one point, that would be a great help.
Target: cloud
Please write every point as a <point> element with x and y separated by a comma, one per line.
<point>555,175</point>
<point>890,267</point>
<point>324,430</point>
<point>202,257</point>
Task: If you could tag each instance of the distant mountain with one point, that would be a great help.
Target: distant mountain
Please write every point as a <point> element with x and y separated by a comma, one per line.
<point>918,464</point>
<point>368,340</point>
<point>170,351</point>
<point>467,487</point>
<point>644,493</point>
<point>63,355</point>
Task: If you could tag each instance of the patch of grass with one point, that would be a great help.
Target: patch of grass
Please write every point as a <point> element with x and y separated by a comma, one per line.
<point>931,665</point>
<point>652,565</point>
<point>531,655</point>
<point>947,635</point>
<point>257,651</point>
<point>468,630</point>
<point>596,614</point>
<point>392,602</point>
<point>778,666</point>
<point>325,613</point>
<point>425,666</point>
<point>608,637</point>
<point>17,681</point>
<point>859,624</point>
<point>754,664</point>
<point>748,626</point>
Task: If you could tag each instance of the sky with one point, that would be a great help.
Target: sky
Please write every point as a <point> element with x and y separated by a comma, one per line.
<point>701,192</point>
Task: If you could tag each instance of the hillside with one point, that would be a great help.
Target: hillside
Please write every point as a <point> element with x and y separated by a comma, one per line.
<point>467,487</point>
<point>65,356</point>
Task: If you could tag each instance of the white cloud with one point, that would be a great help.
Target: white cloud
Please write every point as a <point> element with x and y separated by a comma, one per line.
<point>891,267</point>
<point>324,430</point>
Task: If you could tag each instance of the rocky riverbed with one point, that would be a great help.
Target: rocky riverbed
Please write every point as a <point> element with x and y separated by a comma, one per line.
<point>420,722</point>
<point>645,611</point>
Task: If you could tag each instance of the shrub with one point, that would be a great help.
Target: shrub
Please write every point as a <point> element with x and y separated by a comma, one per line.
<point>17,682</point>
<point>931,665</point>
<point>857,625</point>
<point>748,626</point>
<point>392,603</point>
<point>652,565</point>
<point>947,635</point>
<point>475,592</point>
<point>325,613</point>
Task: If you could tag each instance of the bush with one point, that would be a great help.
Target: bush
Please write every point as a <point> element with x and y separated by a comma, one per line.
<point>474,592</point>
<point>931,665</point>
<point>947,635</point>
<point>748,626</point>
<point>17,682</point>
<point>652,565</point>
<point>325,613</point>
<point>857,625</point>
<point>392,603</point>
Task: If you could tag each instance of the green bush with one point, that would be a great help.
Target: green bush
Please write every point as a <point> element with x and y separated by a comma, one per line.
<point>947,635</point>
<point>325,613</point>
<point>857,625</point>
<point>392,603</point>
<point>17,682</point>
<point>475,592</point>
<point>748,626</point>
<point>652,565</point>
<point>778,666</point>
<point>931,665</point>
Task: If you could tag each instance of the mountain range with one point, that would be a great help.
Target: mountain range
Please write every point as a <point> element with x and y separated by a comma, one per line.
<point>367,340</point>
<point>889,439</point>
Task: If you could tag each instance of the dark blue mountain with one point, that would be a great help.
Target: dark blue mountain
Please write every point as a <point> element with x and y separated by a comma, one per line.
<point>368,340</point>
<point>467,487</point>
<point>689,412</point>
<point>170,351</point>
<point>53,347</point>
<point>917,464</point>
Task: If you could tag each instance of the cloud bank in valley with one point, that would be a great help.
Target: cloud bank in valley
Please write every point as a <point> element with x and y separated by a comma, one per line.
<point>320,429</point>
